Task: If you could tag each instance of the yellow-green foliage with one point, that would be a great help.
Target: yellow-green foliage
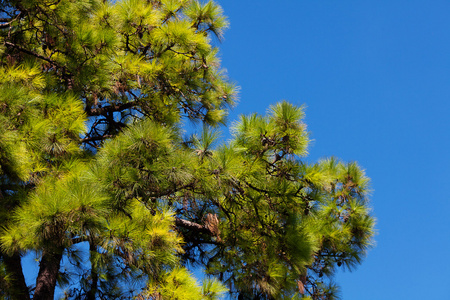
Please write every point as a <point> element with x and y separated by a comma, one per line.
<point>95,168</point>
<point>179,284</point>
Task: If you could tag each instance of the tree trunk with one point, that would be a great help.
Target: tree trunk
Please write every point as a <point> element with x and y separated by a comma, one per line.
<point>13,266</point>
<point>48,272</point>
<point>94,273</point>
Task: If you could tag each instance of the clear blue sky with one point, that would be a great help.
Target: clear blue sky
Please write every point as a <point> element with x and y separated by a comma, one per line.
<point>375,77</point>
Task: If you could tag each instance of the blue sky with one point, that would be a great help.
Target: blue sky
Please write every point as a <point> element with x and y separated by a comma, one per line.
<point>375,78</point>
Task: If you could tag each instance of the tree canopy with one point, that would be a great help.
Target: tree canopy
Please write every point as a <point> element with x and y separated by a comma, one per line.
<point>99,180</point>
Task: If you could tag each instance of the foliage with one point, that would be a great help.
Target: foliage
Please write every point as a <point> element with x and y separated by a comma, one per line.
<point>98,181</point>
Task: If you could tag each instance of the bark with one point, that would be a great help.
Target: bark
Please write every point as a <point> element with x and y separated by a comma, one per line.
<point>193,226</point>
<point>94,274</point>
<point>48,272</point>
<point>9,44</point>
<point>13,265</point>
<point>8,21</point>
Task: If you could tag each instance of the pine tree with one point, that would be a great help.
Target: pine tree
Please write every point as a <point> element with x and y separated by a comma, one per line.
<point>98,180</point>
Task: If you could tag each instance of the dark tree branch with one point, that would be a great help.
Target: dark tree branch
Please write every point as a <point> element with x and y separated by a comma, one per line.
<point>193,226</point>
<point>94,273</point>
<point>66,75</point>
<point>8,21</point>
<point>31,53</point>
<point>96,138</point>
<point>187,54</point>
<point>107,109</point>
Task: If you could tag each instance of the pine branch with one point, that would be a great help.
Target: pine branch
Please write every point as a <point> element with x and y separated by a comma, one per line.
<point>31,53</point>
<point>4,25</point>
<point>8,21</point>
<point>96,138</point>
<point>111,108</point>
<point>193,226</point>
<point>66,75</point>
